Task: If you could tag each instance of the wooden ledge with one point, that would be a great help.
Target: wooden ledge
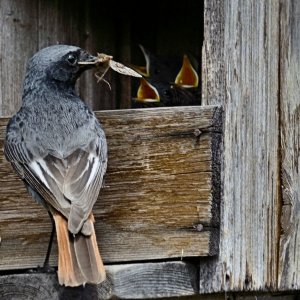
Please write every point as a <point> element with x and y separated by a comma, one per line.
<point>133,281</point>
<point>160,198</point>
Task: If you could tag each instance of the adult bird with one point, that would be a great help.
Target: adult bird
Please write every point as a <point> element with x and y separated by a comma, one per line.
<point>57,146</point>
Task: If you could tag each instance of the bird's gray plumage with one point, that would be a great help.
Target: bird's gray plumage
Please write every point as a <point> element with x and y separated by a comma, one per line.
<point>54,142</point>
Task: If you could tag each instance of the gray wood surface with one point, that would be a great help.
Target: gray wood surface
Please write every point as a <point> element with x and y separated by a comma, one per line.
<point>158,200</point>
<point>29,25</point>
<point>166,281</point>
<point>133,281</point>
<point>289,251</point>
<point>251,68</point>
<point>240,71</point>
<point>18,41</point>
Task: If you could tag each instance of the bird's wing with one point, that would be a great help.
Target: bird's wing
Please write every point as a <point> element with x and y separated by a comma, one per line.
<point>70,185</point>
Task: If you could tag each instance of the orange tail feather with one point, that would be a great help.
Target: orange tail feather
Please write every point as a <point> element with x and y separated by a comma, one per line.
<point>79,260</point>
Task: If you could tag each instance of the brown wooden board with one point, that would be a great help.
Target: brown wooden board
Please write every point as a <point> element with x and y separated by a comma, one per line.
<point>160,198</point>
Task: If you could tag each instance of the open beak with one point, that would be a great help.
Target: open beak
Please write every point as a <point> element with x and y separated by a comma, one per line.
<point>187,76</point>
<point>147,92</point>
<point>143,70</point>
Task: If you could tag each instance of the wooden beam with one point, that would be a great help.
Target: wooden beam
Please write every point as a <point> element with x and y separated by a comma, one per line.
<point>240,72</point>
<point>289,251</point>
<point>160,198</point>
<point>133,281</point>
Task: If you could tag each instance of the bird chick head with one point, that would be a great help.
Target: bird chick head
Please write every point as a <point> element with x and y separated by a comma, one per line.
<point>58,63</point>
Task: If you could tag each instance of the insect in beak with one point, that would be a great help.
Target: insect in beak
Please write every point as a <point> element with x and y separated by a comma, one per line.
<point>104,62</point>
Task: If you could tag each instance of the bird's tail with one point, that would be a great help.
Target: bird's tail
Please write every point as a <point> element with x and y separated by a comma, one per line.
<point>79,260</point>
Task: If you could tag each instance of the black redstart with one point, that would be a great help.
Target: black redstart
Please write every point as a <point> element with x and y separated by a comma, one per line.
<point>57,146</point>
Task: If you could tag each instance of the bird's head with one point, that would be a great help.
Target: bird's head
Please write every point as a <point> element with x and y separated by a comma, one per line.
<point>58,63</point>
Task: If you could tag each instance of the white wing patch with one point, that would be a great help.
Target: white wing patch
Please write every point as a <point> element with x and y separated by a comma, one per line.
<point>36,167</point>
<point>94,160</point>
<point>74,183</point>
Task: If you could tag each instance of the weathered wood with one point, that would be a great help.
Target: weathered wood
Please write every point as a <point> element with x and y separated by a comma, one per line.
<point>124,55</point>
<point>18,41</point>
<point>98,34</point>
<point>74,22</point>
<point>289,252</point>
<point>241,66</point>
<point>213,66</point>
<point>31,25</point>
<point>157,202</point>
<point>136,281</point>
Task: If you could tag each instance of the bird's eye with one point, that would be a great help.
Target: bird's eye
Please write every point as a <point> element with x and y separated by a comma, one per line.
<point>71,59</point>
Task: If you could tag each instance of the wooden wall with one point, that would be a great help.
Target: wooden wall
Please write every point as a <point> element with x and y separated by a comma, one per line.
<point>112,27</point>
<point>29,25</point>
<point>251,67</point>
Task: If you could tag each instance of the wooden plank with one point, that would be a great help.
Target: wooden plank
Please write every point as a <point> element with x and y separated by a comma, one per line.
<point>158,200</point>
<point>124,55</point>
<point>98,34</point>
<point>289,252</point>
<point>168,281</point>
<point>59,22</point>
<point>31,25</point>
<point>241,67</point>
<point>74,23</point>
<point>18,41</point>
<point>135,281</point>
<point>213,69</point>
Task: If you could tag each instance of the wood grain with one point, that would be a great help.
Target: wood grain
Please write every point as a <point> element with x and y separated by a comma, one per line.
<point>133,281</point>
<point>158,200</point>
<point>18,41</point>
<point>241,73</point>
<point>166,281</point>
<point>31,25</point>
<point>289,255</point>
<point>169,281</point>
<point>74,23</point>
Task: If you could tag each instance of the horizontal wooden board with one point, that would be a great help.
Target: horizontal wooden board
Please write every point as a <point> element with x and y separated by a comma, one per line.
<point>160,198</point>
<point>131,281</point>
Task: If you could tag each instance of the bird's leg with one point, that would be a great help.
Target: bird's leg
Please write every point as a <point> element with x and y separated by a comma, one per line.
<point>46,266</point>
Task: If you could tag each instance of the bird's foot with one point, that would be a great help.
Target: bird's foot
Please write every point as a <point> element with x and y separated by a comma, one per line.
<point>43,269</point>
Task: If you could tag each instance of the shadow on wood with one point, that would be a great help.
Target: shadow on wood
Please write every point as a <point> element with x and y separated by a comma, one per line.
<point>135,281</point>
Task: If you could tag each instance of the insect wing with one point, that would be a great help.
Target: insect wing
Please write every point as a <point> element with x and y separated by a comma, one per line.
<point>120,68</point>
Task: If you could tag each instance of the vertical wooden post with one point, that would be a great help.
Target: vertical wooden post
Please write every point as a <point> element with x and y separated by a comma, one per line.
<point>240,72</point>
<point>289,255</point>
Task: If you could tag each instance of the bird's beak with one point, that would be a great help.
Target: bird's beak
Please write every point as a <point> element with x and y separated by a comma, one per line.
<point>87,59</point>
<point>187,76</point>
<point>147,92</point>
<point>143,70</point>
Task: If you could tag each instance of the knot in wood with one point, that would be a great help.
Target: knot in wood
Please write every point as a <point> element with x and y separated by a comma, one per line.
<point>197,132</point>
